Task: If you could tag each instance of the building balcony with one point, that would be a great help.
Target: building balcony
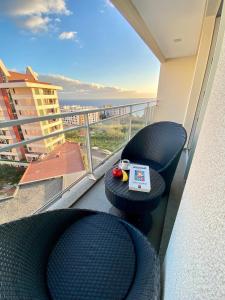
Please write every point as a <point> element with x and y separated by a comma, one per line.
<point>188,224</point>
<point>48,106</point>
<point>42,96</point>
<point>51,123</point>
<point>72,173</point>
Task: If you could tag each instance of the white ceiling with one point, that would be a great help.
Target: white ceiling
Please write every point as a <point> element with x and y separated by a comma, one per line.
<point>168,20</point>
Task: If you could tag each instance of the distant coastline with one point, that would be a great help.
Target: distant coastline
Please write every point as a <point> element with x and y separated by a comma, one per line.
<point>101,102</point>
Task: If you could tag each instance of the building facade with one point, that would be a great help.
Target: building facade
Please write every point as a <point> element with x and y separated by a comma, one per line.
<point>114,111</point>
<point>79,119</point>
<point>21,96</point>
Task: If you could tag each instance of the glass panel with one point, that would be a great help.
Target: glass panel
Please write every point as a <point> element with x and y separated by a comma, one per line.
<point>108,137</point>
<point>78,137</point>
<point>33,175</point>
<point>114,112</point>
<point>138,121</point>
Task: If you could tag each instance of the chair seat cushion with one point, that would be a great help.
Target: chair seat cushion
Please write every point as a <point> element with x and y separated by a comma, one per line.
<point>93,259</point>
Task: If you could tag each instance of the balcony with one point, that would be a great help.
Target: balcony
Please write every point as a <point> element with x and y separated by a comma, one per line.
<point>91,145</point>
<point>188,39</point>
<point>81,159</point>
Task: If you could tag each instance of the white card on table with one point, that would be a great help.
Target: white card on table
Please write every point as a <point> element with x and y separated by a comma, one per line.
<point>139,178</point>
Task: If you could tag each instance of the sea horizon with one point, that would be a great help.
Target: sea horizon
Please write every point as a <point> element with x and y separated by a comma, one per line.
<point>101,102</point>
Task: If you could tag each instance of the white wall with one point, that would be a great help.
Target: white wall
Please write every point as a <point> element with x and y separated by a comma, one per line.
<point>194,266</point>
<point>202,58</point>
<point>174,89</point>
<point>181,80</point>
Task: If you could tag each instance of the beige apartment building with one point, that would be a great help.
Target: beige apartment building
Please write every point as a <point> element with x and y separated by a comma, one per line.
<point>115,111</point>
<point>79,119</point>
<point>21,96</point>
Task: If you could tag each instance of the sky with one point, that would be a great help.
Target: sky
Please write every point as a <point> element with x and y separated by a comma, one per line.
<point>84,45</point>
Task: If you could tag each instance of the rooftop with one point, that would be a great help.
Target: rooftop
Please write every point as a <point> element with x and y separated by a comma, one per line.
<point>15,76</point>
<point>63,160</point>
<point>23,79</point>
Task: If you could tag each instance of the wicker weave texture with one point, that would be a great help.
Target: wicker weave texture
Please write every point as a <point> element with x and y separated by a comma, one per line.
<point>27,244</point>
<point>158,145</point>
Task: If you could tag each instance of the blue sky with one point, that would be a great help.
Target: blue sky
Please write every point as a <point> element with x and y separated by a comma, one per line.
<point>77,43</point>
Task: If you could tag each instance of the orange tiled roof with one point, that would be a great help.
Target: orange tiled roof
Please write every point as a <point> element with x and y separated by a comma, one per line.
<point>64,159</point>
<point>21,77</point>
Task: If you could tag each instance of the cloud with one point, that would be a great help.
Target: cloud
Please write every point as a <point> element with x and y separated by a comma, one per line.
<point>37,7</point>
<point>70,35</point>
<point>36,23</point>
<point>76,89</point>
<point>33,15</point>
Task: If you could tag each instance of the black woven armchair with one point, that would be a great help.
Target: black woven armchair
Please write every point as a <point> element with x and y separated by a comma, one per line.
<point>76,254</point>
<point>158,145</point>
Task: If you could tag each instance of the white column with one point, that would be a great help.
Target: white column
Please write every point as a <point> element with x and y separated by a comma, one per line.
<point>175,81</point>
<point>194,266</point>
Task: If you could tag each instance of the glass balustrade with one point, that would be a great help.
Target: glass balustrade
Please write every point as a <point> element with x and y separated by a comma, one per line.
<point>37,167</point>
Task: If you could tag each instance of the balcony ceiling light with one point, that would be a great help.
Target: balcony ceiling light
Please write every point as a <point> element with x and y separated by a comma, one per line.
<point>177,40</point>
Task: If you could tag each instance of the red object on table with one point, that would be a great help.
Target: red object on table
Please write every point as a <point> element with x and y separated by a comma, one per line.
<point>117,172</point>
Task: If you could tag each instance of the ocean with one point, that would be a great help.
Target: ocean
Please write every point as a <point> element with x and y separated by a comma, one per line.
<point>101,102</point>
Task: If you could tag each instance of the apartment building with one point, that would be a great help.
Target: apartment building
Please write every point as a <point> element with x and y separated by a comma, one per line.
<point>114,111</point>
<point>21,96</point>
<point>79,119</point>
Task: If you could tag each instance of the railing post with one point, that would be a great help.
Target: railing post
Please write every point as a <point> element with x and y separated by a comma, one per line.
<point>130,123</point>
<point>147,110</point>
<point>88,143</point>
<point>151,114</point>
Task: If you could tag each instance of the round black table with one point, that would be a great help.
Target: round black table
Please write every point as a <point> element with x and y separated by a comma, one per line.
<point>136,205</point>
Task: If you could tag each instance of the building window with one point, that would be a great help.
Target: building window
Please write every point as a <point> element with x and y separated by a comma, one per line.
<point>20,112</point>
<point>4,141</point>
<point>25,131</point>
<point>16,102</point>
<point>29,148</point>
<point>39,101</point>
<point>36,91</point>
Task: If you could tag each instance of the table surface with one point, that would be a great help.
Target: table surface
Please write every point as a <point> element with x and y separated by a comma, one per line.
<point>121,189</point>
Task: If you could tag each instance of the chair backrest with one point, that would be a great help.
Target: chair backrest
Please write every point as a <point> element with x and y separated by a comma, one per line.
<point>25,246</point>
<point>160,142</point>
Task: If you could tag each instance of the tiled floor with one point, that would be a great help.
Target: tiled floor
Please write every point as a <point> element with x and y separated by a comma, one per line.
<point>165,213</point>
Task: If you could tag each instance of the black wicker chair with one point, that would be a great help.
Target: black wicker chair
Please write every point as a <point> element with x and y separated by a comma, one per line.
<point>158,145</point>
<point>76,254</point>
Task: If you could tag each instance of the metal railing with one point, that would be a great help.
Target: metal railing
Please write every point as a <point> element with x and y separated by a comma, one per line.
<point>16,122</point>
<point>142,111</point>
<point>148,107</point>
